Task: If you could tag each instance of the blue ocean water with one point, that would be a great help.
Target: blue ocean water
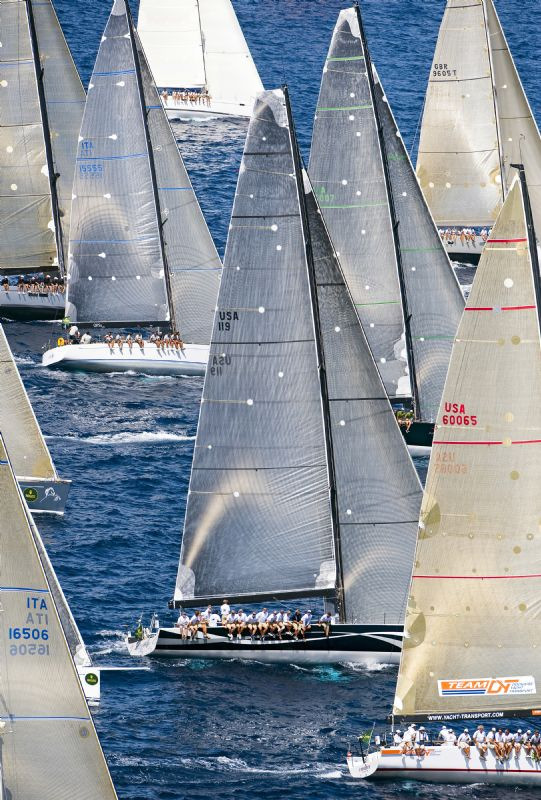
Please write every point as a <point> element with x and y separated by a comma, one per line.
<point>202,729</point>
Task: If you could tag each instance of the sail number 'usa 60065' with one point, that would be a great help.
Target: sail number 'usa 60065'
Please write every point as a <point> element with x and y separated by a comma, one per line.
<point>30,639</point>
<point>455,414</point>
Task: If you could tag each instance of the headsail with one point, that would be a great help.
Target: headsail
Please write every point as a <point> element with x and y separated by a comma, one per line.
<point>258,517</point>
<point>193,264</point>
<point>433,297</point>
<point>347,174</point>
<point>472,641</point>
<point>29,454</point>
<point>50,747</point>
<point>40,115</point>
<point>458,165</point>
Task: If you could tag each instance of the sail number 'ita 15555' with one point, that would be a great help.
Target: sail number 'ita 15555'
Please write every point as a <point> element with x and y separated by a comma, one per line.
<point>524,684</point>
<point>29,639</point>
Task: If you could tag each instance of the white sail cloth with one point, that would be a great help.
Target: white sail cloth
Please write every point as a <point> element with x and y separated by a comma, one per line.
<point>30,456</point>
<point>476,584</point>
<point>49,748</point>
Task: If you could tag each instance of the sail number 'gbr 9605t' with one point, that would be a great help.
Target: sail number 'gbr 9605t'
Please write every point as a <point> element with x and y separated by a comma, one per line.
<point>455,414</point>
<point>29,640</point>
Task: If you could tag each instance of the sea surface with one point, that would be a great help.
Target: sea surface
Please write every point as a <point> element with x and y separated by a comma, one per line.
<point>201,729</point>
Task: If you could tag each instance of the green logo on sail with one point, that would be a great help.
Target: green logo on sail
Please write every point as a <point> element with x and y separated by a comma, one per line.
<point>30,494</point>
<point>91,678</point>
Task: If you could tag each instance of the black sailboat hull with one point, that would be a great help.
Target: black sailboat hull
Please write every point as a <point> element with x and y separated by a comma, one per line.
<point>418,436</point>
<point>368,644</point>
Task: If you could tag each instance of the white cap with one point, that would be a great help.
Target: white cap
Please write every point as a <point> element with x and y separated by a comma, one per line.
<point>519,730</point>
<point>465,730</point>
<point>422,728</point>
<point>528,731</point>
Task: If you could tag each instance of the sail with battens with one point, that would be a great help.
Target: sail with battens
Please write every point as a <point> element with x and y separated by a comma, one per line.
<point>140,250</point>
<point>476,121</point>
<point>50,748</point>
<point>347,173</point>
<point>40,115</point>
<point>281,501</point>
<point>471,641</point>
<point>199,44</point>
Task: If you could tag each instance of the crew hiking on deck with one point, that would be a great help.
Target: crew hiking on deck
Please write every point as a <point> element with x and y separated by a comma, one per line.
<point>501,742</point>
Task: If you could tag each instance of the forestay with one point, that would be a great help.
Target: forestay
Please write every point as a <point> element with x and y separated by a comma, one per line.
<point>520,138</point>
<point>378,492</point>
<point>29,454</point>
<point>50,747</point>
<point>170,31</point>
<point>476,585</point>
<point>258,516</point>
<point>40,115</point>
<point>433,295</point>
<point>116,269</point>
<point>459,152</point>
<point>346,170</point>
<point>193,264</point>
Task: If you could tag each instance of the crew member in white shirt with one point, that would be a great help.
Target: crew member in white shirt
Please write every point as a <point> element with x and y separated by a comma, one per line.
<point>451,737</point>
<point>479,737</point>
<point>464,742</point>
<point>224,611</point>
<point>261,618</point>
<point>183,624</point>
<point>397,737</point>
<point>306,623</point>
<point>240,619</point>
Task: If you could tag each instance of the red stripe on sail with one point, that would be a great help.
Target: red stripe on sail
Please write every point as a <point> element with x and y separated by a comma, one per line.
<point>517,441</point>
<point>475,577</point>
<point>504,241</point>
<point>502,308</point>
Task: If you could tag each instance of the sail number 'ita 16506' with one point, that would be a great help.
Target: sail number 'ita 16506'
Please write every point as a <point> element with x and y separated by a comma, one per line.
<point>455,414</point>
<point>29,639</point>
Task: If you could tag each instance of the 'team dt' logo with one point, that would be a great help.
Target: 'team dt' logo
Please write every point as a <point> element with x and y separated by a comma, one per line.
<point>524,684</point>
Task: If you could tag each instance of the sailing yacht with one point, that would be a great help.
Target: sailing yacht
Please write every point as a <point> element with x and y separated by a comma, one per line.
<point>140,250</point>
<point>50,747</point>
<point>476,122</point>
<point>399,275</point>
<point>199,58</point>
<point>40,116</point>
<point>44,491</point>
<point>302,488</point>
<point>471,649</point>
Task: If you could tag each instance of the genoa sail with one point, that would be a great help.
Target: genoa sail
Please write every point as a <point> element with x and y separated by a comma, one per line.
<point>347,173</point>
<point>431,290</point>
<point>470,646</point>
<point>258,515</point>
<point>29,454</point>
<point>40,117</point>
<point>193,263</point>
<point>196,44</point>
<point>281,500</point>
<point>50,726</point>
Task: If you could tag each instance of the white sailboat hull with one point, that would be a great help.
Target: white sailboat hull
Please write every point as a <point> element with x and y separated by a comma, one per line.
<point>31,305</point>
<point>45,496</point>
<point>360,644</point>
<point>97,357</point>
<point>447,764</point>
<point>186,110</point>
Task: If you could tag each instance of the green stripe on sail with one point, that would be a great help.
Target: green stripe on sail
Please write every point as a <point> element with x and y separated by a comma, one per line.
<point>342,108</point>
<point>379,303</point>
<point>346,58</point>
<point>356,205</point>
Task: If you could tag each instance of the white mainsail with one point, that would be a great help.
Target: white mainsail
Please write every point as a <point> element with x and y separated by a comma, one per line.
<point>474,598</point>
<point>50,748</point>
<point>476,122</point>
<point>195,44</point>
<point>29,454</point>
<point>40,116</point>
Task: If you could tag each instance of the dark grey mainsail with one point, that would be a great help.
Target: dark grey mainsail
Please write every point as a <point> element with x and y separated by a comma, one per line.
<point>301,483</point>
<point>347,173</point>
<point>140,251</point>
<point>432,293</point>
<point>193,264</point>
<point>40,115</point>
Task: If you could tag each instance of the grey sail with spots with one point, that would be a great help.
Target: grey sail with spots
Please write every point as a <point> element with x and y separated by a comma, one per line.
<point>50,748</point>
<point>193,264</point>
<point>347,173</point>
<point>258,517</point>
<point>41,107</point>
<point>475,585</point>
<point>301,482</point>
<point>432,294</point>
<point>378,494</point>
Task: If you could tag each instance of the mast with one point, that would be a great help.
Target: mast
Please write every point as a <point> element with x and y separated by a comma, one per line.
<point>394,221</point>
<point>144,112</point>
<point>321,362</point>
<point>495,102</point>
<point>202,35</point>
<point>532,242</point>
<point>46,137</point>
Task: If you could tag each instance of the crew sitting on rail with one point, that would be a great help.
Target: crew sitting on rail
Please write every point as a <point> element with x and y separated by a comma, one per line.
<point>502,743</point>
<point>261,623</point>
